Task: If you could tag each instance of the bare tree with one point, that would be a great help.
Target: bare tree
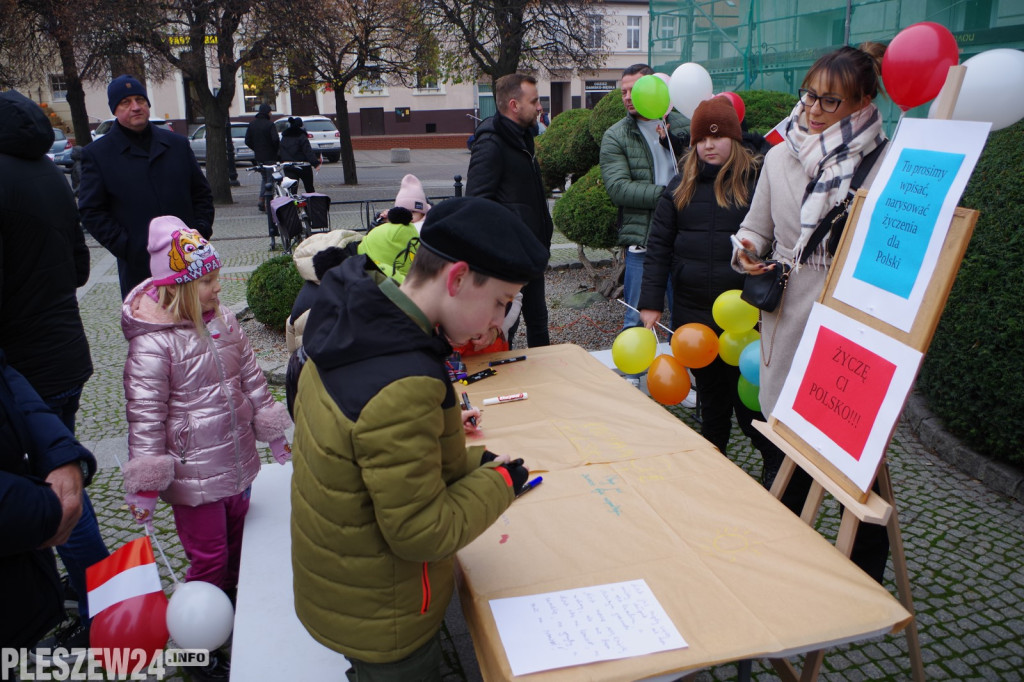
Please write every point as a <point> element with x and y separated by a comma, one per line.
<point>347,43</point>
<point>194,36</point>
<point>499,37</point>
<point>50,31</point>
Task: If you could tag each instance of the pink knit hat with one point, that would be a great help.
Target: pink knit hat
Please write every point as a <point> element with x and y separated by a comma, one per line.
<point>411,195</point>
<point>177,253</point>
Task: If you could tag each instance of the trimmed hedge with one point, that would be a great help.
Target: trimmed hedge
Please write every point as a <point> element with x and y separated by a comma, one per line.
<point>585,214</point>
<point>765,108</point>
<point>566,147</point>
<point>272,289</point>
<point>607,112</point>
<point>973,371</point>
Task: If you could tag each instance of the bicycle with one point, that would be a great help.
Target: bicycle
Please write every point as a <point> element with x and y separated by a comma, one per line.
<point>288,209</point>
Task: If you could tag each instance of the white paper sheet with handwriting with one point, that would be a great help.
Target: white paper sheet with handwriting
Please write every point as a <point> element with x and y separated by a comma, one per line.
<point>584,625</point>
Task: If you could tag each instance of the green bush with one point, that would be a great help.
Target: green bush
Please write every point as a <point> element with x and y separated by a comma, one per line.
<point>585,214</point>
<point>272,289</point>
<point>765,108</point>
<point>972,373</point>
<point>608,111</point>
<point>566,148</point>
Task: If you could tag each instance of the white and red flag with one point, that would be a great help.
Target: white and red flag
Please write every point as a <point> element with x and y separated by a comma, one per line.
<point>129,572</point>
<point>775,135</point>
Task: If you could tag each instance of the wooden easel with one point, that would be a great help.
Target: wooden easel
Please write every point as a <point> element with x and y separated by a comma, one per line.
<point>860,507</point>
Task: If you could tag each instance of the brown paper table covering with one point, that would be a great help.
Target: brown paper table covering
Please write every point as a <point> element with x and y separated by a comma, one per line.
<point>631,492</point>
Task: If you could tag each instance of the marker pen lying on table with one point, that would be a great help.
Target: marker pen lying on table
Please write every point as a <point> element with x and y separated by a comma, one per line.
<point>530,486</point>
<point>511,398</point>
<point>495,363</point>
<point>467,406</point>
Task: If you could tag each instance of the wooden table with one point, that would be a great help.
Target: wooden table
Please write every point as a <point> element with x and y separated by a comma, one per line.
<point>631,492</point>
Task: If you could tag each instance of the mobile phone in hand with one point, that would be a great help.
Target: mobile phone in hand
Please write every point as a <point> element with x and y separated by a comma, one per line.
<point>749,254</point>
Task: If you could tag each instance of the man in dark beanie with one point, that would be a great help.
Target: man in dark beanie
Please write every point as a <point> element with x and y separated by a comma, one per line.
<point>385,490</point>
<point>261,138</point>
<point>135,173</point>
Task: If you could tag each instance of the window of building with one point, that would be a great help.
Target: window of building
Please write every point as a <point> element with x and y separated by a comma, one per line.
<point>668,31</point>
<point>258,85</point>
<point>372,84</point>
<point>595,31</point>
<point>58,88</point>
<point>633,33</point>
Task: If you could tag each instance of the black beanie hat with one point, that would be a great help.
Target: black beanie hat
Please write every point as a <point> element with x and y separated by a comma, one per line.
<point>491,239</point>
<point>715,117</point>
<point>124,86</point>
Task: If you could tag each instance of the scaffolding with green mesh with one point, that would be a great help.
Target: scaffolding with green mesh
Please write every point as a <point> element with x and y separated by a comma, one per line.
<point>769,44</point>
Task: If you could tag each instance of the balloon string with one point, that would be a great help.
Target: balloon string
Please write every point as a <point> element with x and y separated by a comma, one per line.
<point>667,330</point>
<point>152,536</point>
<point>668,138</point>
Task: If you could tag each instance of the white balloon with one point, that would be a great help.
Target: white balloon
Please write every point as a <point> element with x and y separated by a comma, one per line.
<point>689,86</point>
<point>199,616</point>
<point>993,89</point>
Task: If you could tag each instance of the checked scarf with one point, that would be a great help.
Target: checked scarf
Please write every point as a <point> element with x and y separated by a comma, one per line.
<point>830,160</point>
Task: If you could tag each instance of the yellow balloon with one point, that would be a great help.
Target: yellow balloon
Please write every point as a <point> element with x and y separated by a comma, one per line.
<point>731,344</point>
<point>633,350</point>
<point>732,313</point>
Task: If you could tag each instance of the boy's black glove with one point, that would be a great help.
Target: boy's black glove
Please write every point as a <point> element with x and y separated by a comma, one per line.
<point>518,473</point>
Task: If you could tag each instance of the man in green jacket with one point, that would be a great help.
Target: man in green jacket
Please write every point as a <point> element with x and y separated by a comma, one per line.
<point>385,490</point>
<point>637,164</point>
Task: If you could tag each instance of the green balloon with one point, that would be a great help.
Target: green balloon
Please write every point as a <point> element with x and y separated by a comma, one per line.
<point>650,97</point>
<point>749,394</point>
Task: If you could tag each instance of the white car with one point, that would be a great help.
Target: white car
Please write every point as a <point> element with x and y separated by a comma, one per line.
<point>322,133</point>
<point>103,128</point>
<point>242,153</point>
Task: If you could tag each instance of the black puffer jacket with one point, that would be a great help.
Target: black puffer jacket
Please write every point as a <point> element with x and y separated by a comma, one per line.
<point>295,146</point>
<point>43,255</point>
<point>504,168</point>
<point>693,245</point>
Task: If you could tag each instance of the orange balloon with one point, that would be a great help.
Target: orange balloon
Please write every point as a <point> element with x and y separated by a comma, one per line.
<point>695,345</point>
<point>667,380</point>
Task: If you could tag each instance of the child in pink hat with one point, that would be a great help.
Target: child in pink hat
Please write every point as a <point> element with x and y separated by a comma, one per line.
<point>197,402</point>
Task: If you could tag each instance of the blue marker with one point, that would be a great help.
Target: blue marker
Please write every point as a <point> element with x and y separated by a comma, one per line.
<point>531,485</point>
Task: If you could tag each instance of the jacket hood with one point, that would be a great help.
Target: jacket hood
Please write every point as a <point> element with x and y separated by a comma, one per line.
<point>353,319</point>
<point>304,252</point>
<point>25,131</point>
<point>263,111</point>
<point>140,314</point>
<point>512,132</point>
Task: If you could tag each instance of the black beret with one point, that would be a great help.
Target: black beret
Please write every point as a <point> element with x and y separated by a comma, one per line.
<point>491,239</point>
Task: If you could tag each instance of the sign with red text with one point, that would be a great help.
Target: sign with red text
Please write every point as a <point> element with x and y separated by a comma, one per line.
<point>845,390</point>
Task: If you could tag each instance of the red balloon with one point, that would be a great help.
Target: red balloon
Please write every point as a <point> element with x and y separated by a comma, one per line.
<point>737,103</point>
<point>695,345</point>
<point>667,380</point>
<point>135,629</point>
<point>916,62</point>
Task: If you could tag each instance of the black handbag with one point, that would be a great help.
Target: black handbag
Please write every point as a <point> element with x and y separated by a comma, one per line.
<point>765,291</point>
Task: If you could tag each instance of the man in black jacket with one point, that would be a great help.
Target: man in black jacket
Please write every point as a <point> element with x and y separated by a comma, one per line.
<point>135,173</point>
<point>503,167</point>
<point>261,138</point>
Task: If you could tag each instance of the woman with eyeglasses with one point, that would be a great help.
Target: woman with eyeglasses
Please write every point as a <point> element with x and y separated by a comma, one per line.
<point>832,128</point>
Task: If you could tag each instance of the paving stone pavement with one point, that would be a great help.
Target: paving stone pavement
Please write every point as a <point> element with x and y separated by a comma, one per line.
<point>963,539</point>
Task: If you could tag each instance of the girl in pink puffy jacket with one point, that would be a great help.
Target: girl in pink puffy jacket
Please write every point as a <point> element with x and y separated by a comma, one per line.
<point>197,402</point>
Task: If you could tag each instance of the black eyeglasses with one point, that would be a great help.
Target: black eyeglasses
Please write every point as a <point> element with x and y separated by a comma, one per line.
<point>828,104</point>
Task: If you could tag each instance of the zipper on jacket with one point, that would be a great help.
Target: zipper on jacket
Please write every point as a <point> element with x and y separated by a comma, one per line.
<point>426,588</point>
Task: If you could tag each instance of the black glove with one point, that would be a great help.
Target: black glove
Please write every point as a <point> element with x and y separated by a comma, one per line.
<point>488,456</point>
<point>519,474</point>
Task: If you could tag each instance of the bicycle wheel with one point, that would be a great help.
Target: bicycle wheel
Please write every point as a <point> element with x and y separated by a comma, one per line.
<point>307,227</point>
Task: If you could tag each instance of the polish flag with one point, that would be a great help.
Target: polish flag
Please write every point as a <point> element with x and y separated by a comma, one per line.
<point>129,572</point>
<point>775,135</point>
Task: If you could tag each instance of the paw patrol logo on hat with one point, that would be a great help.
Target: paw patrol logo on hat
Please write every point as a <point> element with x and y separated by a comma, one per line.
<point>190,256</point>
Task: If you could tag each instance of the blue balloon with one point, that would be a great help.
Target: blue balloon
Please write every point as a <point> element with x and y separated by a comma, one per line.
<point>750,363</point>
